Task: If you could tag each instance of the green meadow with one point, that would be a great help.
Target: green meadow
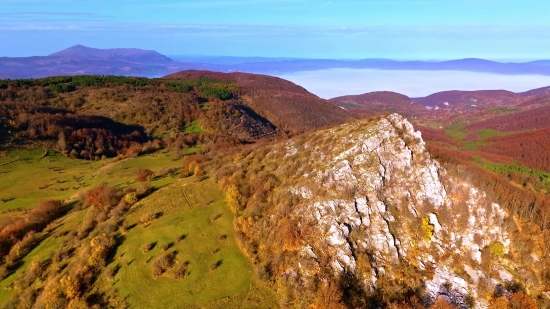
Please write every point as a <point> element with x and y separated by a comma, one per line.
<point>193,223</point>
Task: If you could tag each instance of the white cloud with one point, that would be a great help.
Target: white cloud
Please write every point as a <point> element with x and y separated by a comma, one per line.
<point>337,82</point>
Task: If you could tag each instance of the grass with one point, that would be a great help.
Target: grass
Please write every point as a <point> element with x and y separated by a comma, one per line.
<point>43,251</point>
<point>473,146</point>
<point>482,140</point>
<point>456,132</point>
<point>193,127</point>
<point>204,225</point>
<point>33,178</point>
<point>543,176</point>
<point>205,228</point>
<point>487,133</point>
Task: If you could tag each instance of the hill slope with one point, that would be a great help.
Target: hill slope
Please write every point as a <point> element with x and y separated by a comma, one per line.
<point>361,216</point>
<point>285,104</point>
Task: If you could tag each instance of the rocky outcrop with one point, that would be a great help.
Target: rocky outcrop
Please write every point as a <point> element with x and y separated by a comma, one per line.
<point>372,204</point>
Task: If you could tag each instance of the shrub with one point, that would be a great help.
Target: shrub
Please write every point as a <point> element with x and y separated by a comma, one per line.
<point>143,175</point>
<point>103,196</point>
<point>148,247</point>
<point>180,271</point>
<point>162,264</point>
<point>147,218</point>
<point>143,190</point>
<point>496,248</point>
<point>47,210</point>
<point>216,265</point>
<point>131,198</point>
<point>233,198</point>
<point>119,210</point>
<point>500,303</point>
<point>520,300</point>
<point>427,229</point>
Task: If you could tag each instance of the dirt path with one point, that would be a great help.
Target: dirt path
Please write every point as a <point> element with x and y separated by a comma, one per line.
<point>106,167</point>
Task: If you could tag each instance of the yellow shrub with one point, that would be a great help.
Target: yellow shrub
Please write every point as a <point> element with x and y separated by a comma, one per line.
<point>232,197</point>
<point>496,248</point>
<point>427,229</point>
<point>131,198</point>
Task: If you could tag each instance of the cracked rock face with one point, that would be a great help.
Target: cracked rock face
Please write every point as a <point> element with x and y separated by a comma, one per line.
<point>373,201</point>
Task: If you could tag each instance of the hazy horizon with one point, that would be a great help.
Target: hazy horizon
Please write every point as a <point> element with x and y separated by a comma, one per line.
<point>332,83</point>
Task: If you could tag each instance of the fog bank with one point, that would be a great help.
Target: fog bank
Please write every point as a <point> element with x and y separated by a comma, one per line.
<point>337,82</point>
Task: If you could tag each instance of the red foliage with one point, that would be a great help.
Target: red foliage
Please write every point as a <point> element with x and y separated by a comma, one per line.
<point>537,118</point>
<point>102,196</point>
<point>286,105</point>
<point>435,135</point>
<point>531,149</point>
<point>498,188</point>
<point>35,220</point>
<point>143,174</point>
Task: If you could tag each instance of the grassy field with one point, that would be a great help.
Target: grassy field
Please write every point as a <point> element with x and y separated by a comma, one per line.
<point>217,271</point>
<point>34,177</point>
<point>456,132</point>
<point>486,133</point>
<point>472,146</point>
<point>194,222</point>
<point>193,127</point>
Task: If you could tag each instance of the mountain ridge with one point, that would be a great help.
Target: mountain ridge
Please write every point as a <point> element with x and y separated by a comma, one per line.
<point>81,51</point>
<point>374,211</point>
<point>150,63</point>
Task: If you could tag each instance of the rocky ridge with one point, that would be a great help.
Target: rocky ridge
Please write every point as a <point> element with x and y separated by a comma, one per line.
<point>369,203</point>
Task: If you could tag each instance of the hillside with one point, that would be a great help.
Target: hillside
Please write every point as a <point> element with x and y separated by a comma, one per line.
<point>495,125</point>
<point>361,216</point>
<point>375,103</point>
<point>287,105</point>
<point>232,107</point>
<point>241,106</point>
<point>187,192</point>
<point>139,222</point>
<point>462,99</point>
<point>56,110</point>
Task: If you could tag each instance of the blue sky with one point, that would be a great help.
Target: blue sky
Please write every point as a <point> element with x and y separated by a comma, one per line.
<point>398,29</point>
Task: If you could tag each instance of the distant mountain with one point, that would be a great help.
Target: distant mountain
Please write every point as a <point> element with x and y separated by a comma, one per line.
<point>377,102</point>
<point>468,98</point>
<point>124,54</point>
<point>493,109</point>
<point>79,60</point>
<point>136,62</point>
<point>227,60</point>
<point>470,65</point>
<point>452,99</point>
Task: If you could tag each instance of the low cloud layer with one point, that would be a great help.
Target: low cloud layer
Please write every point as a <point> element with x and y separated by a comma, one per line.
<point>337,82</point>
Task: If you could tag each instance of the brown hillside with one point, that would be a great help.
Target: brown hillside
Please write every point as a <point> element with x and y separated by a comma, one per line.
<point>537,118</point>
<point>528,148</point>
<point>374,103</point>
<point>287,105</point>
<point>460,98</point>
<point>375,97</point>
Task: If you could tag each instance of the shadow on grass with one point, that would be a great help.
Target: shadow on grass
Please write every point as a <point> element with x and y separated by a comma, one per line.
<point>7,199</point>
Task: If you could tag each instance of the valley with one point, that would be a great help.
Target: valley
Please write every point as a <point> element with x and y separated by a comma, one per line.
<point>234,190</point>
